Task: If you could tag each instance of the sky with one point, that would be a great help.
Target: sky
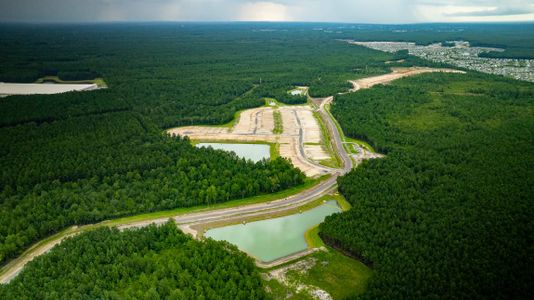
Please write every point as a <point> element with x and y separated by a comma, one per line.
<point>349,11</point>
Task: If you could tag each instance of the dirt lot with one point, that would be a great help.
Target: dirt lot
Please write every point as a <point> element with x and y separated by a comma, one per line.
<point>397,73</point>
<point>300,129</point>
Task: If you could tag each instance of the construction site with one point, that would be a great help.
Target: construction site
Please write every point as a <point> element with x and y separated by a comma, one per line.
<point>300,141</point>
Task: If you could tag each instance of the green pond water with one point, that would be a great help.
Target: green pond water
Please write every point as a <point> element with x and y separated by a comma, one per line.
<point>271,239</point>
<point>254,152</point>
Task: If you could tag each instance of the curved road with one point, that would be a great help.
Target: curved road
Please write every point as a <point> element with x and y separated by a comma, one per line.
<point>334,135</point>
<point>14,267</point>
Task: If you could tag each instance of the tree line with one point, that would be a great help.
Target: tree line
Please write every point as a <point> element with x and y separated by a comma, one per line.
<point>87,169</point>
<point>147,263</point>
<point>82,157</point>
<point>448,213</point>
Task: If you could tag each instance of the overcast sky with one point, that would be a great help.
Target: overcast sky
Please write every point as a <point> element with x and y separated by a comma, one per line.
<point>355,11</point>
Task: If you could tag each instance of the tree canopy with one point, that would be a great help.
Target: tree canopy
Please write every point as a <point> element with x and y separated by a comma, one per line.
<point>147,263</point>
<point>448,212</point>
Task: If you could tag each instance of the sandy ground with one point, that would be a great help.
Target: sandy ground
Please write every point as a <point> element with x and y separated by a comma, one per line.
<point>258,127</point>
<point>300,128</point>
<point>255,121</point>
<point>397,73</point>
<point>302,266</point>
<point>299,90</point>
<point>362,154</point>
<point>8,89</point>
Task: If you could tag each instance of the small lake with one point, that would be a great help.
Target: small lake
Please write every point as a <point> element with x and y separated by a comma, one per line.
<point>271,239</point>
<point>254,152</point>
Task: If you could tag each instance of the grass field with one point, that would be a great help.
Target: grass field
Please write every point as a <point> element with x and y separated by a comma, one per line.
<point>312,237</point>
<point>341,276</point>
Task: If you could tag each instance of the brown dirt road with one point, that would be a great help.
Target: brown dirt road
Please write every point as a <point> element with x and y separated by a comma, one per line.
<point>397,73</point>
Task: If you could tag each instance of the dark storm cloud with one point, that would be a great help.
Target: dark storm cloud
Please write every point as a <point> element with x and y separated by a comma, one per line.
<point>376,11</point>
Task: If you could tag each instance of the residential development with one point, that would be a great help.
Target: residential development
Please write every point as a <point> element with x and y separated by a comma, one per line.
<point>461,54</point>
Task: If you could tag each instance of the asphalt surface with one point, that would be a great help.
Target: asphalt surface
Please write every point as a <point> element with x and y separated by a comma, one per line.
<point>337,142</point>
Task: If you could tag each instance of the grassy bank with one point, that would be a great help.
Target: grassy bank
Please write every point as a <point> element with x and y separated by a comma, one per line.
<point>277,214</point>
<point>340,276</point>
<point>278,125</point>
<point>312,234</point>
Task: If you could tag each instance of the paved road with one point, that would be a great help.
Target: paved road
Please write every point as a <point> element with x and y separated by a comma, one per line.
<point>250,210</point>
<point>324,170</point>
<point>336,139</point>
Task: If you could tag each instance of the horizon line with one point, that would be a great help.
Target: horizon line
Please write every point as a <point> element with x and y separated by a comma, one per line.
<point>246,22</point>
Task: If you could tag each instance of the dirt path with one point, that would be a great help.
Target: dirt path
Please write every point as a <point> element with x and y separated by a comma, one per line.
<point>397,73</point>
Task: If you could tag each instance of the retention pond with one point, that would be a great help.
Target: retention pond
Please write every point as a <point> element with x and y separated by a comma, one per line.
<point>272,239</point>
<point>254,152</point>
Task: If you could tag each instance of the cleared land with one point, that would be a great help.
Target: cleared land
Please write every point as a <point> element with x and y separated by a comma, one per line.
<point>300,139</point>
<point>397,73</point>
<point>10,89</point>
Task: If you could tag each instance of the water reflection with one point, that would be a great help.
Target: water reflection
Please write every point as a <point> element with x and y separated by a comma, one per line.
<point>254,152</point>
<point>271,239</point>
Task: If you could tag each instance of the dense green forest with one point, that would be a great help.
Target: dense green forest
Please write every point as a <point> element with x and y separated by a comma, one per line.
<point>176,74</point>
<point>87,169</point>
<point>448,213</point>
<point>79,158</point>
<point>148,263</point>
